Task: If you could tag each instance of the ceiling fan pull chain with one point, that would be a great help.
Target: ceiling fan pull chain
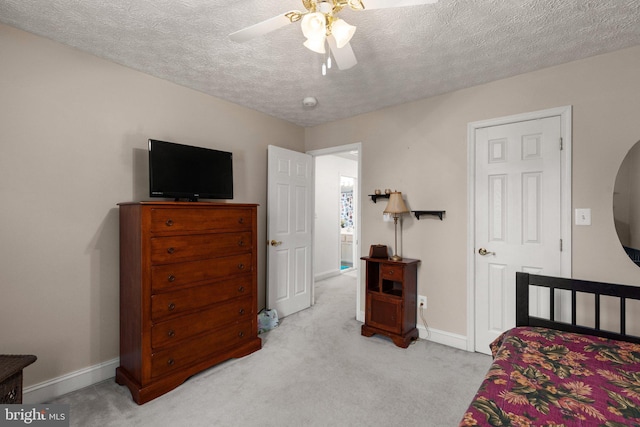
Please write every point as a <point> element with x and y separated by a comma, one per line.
<point>326,64</point>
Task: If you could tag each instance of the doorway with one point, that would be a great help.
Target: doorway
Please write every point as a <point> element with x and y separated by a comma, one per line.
<point>519,213</point>
<point>347,223</point>
<point>336,234</point>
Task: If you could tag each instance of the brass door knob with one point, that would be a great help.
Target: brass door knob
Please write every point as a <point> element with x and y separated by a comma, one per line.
<point>275,243</point>
<point>483,251</point>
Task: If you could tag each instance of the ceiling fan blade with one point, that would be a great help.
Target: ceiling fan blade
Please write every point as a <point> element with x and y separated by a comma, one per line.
<point>382,4</point>
<point>260,28</point>
<point>344,57</point>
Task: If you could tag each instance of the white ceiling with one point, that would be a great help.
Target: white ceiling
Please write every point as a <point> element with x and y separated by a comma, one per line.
<point>404,54</point>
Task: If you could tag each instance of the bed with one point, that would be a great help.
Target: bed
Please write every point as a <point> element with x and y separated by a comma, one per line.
<point>555,373</point>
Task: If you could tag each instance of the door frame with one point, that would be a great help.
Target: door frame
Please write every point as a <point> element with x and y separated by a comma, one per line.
<point>565,114</point>
<point>323,152</point>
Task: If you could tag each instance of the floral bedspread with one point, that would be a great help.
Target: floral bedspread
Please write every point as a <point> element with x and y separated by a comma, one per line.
<point>543,377</point>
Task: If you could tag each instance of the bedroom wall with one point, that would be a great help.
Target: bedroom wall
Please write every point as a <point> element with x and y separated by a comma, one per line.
<point>73,141</point>
<point>420,148</point>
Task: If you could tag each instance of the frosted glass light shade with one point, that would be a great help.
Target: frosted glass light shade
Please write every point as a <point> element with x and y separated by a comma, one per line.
<point>313,25</point>
<point>315,44</point>
<point>342,32</point>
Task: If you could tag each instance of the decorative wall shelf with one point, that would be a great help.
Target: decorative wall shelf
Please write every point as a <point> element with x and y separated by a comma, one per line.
<point>375,197</point>
<point>439,214</point>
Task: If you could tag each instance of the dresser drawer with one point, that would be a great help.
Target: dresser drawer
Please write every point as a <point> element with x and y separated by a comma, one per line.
<point>178,357</point>
<point>392,272</point>
<point>176,303</point>
<point>173,276</point>
<point>229,219</point>
<point>165,250</point>
<point>174,330</point>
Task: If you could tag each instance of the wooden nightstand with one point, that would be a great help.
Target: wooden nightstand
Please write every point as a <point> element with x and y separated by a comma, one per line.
<point>391,288</point>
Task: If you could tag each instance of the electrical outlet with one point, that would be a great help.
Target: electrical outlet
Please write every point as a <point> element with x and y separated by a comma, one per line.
<point>422,301</point>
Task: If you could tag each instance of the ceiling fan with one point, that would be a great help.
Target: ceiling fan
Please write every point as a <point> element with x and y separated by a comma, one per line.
<point>321,26</point>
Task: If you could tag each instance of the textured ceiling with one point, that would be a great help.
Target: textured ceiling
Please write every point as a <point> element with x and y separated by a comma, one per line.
<point>404,54</point>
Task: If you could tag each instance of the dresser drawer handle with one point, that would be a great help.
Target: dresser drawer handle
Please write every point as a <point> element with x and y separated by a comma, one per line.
<point>171,307</point>
<point>240,334</point>
<point>171,333</point>
<point>241,243</point>
<point>241,266</point>
<point>171,250</point>
<point>170,362</point>
<point>241,311</point>
<point>241,289</point>
<point>169,222</point>
<point>171,278</point>
<point>240,220</point>
<point>391,272</point>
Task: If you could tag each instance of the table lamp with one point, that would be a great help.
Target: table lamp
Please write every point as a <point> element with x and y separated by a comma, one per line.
<point>396,207</point>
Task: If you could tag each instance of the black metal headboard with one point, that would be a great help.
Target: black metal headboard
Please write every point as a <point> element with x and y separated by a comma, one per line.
<point>623,292</point>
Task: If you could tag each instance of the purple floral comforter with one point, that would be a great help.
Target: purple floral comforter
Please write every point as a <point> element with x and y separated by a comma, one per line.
<point>544,377</point>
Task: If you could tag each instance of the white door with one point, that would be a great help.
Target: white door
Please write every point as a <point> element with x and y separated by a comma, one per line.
<point>517,218</point>
<point>289,231</point>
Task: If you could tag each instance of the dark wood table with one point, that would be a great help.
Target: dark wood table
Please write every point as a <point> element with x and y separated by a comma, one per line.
<point>11,367</point>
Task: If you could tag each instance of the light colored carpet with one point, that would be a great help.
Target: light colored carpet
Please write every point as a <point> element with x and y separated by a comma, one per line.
<point>315,369</point>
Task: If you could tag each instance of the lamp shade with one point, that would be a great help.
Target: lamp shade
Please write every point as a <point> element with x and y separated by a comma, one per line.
<point>342,32</point>
<point>315,44</point>
<point>396,204</point>
<point>314,25</point>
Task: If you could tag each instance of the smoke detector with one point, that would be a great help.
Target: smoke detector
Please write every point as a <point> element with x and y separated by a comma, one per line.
<point>309,102</point>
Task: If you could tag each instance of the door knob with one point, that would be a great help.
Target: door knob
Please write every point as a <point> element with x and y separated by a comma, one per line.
<point>275,243</point>
<point>483,251</point>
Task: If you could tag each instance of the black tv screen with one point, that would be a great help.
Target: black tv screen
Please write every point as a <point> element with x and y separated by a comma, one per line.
<point>185,172</point>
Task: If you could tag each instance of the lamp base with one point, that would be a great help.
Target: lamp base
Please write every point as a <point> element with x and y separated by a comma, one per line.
<point>395,258</point>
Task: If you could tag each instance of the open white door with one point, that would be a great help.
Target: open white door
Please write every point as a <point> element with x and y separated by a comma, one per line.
<point>289,204</point>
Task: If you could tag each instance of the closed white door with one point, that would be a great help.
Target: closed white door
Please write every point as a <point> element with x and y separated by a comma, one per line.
<point>517,217</point>
<point>289,231</point>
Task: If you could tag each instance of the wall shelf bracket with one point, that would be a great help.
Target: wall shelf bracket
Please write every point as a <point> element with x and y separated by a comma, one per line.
<point>375,197</point>
<point>439,214</point>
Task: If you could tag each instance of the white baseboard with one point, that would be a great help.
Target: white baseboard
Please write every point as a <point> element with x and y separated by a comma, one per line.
<point>56,387</point>
<point>435,335</point>
<point>442,337</point>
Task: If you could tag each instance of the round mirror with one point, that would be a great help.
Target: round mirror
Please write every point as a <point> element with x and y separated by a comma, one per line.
<point>626,203</point>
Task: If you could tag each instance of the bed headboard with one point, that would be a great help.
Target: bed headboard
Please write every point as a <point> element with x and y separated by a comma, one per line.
<point>623,292</point>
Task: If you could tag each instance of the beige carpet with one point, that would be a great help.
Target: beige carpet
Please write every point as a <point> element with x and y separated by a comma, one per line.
<point>315,369</point>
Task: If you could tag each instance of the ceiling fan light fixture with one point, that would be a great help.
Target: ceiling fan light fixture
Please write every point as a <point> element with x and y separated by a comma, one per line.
<point>316,44</point>
<point>355,4</point>
<point>342,32</point>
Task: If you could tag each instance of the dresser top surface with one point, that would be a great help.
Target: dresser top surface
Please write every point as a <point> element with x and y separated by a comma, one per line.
<point>188,204</point>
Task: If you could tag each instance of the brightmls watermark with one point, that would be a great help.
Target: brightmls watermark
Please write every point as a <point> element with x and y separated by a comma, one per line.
<point>38,415</point>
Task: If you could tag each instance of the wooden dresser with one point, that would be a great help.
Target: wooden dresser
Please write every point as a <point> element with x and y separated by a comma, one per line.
<point>188,291</point>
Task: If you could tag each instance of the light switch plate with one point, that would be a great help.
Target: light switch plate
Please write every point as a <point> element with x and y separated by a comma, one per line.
<point>583,216</point>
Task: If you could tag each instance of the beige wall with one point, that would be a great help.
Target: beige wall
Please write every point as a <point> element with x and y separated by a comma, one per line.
<point>73,140</point>
<point>420,149</point>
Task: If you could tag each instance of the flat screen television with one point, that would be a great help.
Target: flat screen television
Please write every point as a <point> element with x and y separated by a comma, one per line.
<point>185,172</point>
